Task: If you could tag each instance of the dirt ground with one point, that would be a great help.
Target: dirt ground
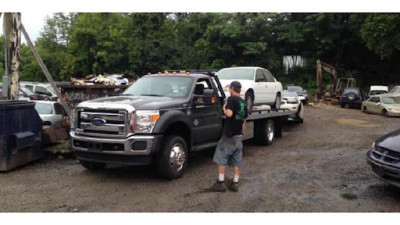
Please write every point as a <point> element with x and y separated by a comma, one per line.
<point>318,166</point>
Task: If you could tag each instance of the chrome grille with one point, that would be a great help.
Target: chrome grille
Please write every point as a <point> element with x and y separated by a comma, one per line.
<point>386,155</point>
<point>115,122</point>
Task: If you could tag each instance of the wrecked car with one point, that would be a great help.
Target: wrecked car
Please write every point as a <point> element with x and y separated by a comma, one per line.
<point>384,158</point>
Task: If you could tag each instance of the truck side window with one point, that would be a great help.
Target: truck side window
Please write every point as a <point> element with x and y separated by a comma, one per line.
<point>201,85</point>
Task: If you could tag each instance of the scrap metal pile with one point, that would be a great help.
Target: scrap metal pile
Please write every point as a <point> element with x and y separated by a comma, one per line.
<point>114,79</point>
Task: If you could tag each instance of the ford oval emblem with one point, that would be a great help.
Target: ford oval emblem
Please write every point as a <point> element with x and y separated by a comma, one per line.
<point>98,121</point>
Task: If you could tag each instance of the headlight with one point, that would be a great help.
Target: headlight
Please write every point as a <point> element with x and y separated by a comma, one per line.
<point>145,120</point>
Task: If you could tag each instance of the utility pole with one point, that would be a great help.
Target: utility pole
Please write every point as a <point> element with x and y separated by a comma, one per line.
<point>14,46</point>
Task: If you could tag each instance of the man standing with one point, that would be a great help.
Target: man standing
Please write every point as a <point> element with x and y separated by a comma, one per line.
<point>229,149</point>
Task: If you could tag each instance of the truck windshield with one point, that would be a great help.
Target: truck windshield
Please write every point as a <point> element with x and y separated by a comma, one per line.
<point>236,74</point>
<point>166,85</point>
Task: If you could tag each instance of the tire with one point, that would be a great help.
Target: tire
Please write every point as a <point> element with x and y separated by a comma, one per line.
<point>264,131</point>
<point>249,98</point>
<point>385,113</point>
<point>173,157</point>
<point>277,104</point>
<point>299,114</point>
<point>352,96</point>
<point>92,165</point>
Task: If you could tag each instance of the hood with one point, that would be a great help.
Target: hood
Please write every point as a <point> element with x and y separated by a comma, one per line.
<point>142,102</point>
<point>390,141</point>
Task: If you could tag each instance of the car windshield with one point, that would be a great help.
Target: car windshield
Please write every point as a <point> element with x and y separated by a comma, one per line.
<point>43,108</point>
<point>289,94</point>
<point>167,85</point>
<point>295,89</point>
<point>395,89</point>
<point>391,100</point>
<point>236,74</point>
<point>27,91</point>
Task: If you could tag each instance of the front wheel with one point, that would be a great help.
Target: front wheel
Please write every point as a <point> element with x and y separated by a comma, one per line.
<point>249,101</point>
<point>385,113</point>
<point>172,160</point>
<point>277,104</point>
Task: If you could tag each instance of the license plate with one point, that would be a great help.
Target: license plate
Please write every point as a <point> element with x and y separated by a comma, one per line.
<point>93,146</point>
<point>378,170</point>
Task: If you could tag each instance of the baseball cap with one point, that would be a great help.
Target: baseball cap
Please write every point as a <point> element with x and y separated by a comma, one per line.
<point>236,84</point>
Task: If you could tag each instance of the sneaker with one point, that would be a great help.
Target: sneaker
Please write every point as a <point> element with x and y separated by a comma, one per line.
<point>234,186</point>
<point>219,186</point>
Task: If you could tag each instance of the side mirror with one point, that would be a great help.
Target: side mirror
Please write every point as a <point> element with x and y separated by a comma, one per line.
<point>208,93</point>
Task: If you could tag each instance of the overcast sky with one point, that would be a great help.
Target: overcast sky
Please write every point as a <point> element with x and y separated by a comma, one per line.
<point>33,13</point>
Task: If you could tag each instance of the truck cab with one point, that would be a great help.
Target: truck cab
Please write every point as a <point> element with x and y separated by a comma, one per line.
<point>160,118</point>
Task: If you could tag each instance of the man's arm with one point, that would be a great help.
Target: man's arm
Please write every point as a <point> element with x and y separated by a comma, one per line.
<point>228,112</point>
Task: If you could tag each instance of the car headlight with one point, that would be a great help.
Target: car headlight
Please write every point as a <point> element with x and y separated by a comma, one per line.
<point>145,120</point>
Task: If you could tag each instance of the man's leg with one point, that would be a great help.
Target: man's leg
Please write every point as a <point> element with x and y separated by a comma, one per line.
<point>221,173</point>
<point>237,174</point>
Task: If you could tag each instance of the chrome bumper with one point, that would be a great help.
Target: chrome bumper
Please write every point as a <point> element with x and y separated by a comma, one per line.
<point>127,144</point>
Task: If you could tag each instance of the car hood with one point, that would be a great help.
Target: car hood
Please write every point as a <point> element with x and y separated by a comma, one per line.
<point>397,106</point>
<point>390,141</point>
<point>141,102</point>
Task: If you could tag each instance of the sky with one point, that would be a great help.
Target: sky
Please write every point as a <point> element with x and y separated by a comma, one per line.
<point>33,13</point>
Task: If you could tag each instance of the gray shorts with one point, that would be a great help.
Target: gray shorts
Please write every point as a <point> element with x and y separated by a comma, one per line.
<point>229,151</point>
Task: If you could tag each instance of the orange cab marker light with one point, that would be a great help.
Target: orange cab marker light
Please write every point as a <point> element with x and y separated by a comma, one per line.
<point>154,118</point>
<point>213,100</point>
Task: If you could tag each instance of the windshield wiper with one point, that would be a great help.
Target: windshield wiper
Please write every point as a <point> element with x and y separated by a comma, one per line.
<point>152,95</point>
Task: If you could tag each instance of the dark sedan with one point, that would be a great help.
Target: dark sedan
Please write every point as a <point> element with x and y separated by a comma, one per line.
<point>384,158</point>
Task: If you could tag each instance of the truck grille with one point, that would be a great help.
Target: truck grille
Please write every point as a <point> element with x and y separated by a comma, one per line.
<point>102,122</point>
<point>386,155</point>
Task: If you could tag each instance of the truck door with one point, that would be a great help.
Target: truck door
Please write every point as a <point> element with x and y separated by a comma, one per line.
<point>206,113</point>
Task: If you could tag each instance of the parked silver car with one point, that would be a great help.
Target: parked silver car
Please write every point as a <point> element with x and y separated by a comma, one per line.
<point>51,113</point>
<point>384,104</point>
<point>293,102</point>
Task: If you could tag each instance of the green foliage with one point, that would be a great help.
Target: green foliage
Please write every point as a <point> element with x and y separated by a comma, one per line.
<point>365,46</point>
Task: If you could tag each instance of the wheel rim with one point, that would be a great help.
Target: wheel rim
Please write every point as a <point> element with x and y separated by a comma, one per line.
<point>177,157</point>
<point>270,131</point>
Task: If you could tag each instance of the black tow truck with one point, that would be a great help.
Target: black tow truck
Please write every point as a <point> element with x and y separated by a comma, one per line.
<point>161,118</point>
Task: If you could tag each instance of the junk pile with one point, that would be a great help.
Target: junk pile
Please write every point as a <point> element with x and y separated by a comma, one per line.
<point>114,79</point>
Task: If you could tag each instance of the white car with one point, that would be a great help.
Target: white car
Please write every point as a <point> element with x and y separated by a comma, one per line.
<point>51,113</point>
<point>259,86</point>
<point>292,102</point>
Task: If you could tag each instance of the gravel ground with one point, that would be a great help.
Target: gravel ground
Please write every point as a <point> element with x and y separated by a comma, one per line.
<point>318,166</point>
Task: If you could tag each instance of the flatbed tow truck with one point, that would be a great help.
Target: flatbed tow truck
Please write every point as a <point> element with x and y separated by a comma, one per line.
<point>161,119</point>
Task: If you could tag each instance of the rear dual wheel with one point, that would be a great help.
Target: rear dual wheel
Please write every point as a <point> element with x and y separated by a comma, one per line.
<point>264,131</point>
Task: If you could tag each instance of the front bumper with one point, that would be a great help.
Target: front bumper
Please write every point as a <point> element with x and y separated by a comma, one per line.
<point>385,173</point>
<point>133,150</point>
<point>393,113</point>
